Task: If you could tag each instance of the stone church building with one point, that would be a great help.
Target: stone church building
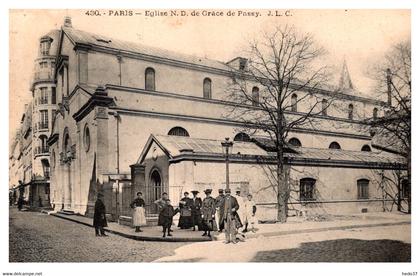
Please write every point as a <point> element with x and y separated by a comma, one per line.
<point>136,118</point>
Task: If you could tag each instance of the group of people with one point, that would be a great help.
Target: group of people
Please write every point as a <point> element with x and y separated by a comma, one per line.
<point>233,214</point>
<point>225,212</point>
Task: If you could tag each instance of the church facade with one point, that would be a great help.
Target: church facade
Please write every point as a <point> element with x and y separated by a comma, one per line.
<point>134,118</point>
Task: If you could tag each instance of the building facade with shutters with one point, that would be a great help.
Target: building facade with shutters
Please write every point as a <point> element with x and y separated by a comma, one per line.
<point>135,118</point>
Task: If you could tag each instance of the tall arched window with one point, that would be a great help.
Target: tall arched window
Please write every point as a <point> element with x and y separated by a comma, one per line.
<point>295,142</point>
<point>375,113</point>
<point>350,111</point>
<point>362,189</point>
<point>324,107</point>
<point>178,131</point>
<point>294,103</point>
<point>242,137</point>
<point>207,88</point>
<point>150,79</point>
<point>255,96</point>
<point>366,148</point>
<point>307,189</point>
<point>335,145</point>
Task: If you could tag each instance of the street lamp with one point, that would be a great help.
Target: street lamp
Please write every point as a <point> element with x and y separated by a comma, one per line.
<point>227,145</point>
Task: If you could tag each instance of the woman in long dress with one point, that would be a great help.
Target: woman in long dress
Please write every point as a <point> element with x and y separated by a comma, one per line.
<point>208,212</point>
<point>185,220</point>
<point>139,216</point>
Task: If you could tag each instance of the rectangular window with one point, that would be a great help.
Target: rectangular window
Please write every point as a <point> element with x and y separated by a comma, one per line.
<point>43,124</point>
<point>362,189</point>
<point>45,48</point>
<point>44,96</point>
<point>43,64</point>
<point>307,189</point>
<point>53,95</point>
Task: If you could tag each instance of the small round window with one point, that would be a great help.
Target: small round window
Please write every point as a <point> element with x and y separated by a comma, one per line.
<point>86,138</point>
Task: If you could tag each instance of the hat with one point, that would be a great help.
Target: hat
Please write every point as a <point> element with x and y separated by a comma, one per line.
<point>227,190</point>
<point>186,193</point>
<point>194,192</point>
<point>220,191</point>
<point>207,191</point>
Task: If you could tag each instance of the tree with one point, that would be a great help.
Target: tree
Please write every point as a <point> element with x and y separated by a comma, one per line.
<point>393,78</point>
<point>279,67</point>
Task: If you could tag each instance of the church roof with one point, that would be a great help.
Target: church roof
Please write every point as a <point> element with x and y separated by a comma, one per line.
<point>82,37</point>
<point>176,146</point>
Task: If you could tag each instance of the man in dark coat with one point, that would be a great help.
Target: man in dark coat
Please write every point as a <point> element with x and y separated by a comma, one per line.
<point>185,220</point>
<point>229,214</point>
<point>219,218</point>
<point>196,210</point>
<point>99,218</point>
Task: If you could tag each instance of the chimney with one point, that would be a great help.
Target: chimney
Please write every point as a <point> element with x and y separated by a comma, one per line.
<point>388,84</point>
<point>67,22</point>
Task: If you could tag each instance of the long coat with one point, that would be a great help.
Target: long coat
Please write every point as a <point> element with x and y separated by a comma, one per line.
<point>229,209</point>
<point>166,215</point>
<point>209,210</point>
<point>99,218</point>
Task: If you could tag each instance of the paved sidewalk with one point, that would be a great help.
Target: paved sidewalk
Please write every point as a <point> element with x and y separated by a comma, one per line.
<point>293,226</point>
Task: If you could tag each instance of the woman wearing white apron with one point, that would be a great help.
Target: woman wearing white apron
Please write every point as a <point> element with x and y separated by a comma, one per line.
<point>250,208</point>
<point>139,216</point>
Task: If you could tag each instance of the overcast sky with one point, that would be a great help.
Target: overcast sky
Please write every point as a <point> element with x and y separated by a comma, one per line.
<point>361,36</point>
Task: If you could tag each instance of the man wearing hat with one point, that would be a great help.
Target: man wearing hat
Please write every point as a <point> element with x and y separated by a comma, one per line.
<point>219,200</point>
<point>229,214</point>
<point>99,218</point>
<point>208,210</point>
<point>196,210</point>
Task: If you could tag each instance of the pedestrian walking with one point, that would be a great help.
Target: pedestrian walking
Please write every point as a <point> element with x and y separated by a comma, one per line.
<point>196,211</point>
<point>250,209</point>
<point>185,219</point>
<point>219,219</point>
<point>139,215</point>
<point>208,211</point>
<point>229,214</point>
<point>166,214</point>
<point>99,218</point>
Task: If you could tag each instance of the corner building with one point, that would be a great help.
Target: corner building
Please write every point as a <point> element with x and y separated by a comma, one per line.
<point>136,118</point>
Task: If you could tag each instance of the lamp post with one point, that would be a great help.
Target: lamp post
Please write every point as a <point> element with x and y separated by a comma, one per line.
<point>227,145</point>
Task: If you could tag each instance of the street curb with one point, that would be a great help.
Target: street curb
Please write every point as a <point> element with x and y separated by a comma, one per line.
<point>134,237</point>
<point>334,228</point>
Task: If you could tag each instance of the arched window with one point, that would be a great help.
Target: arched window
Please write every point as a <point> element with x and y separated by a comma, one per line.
<point>375,113</point>
<point>324,107</point>
<point>350,112</point>
<point>207,88</point>
<point>362,189</point>
<point>335,145</point>
<point>178,131</point>
<point>255,96</point>
<point>242,137</point>
<point>150,79</point>
<point>295,142</point>
<point>307,189</point>
<point>86,138</point>
<point>366,148</point>
<point>294,103</point>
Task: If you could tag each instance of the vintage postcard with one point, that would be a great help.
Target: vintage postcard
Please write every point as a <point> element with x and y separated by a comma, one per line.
<point>210,135</point>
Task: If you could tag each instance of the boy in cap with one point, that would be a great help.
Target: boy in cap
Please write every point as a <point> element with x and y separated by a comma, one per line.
<point>196,210</point>
<point>208,210</point>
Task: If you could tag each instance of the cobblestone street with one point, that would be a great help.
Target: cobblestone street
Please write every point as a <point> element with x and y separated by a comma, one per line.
<point>37,237</point>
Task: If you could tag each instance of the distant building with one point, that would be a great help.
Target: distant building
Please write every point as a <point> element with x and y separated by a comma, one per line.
<point>135,118</point>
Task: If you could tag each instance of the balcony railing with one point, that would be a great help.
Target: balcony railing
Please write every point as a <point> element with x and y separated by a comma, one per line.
<point>43,75</point>
<point>42,125</point>
<point>41,150</point>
